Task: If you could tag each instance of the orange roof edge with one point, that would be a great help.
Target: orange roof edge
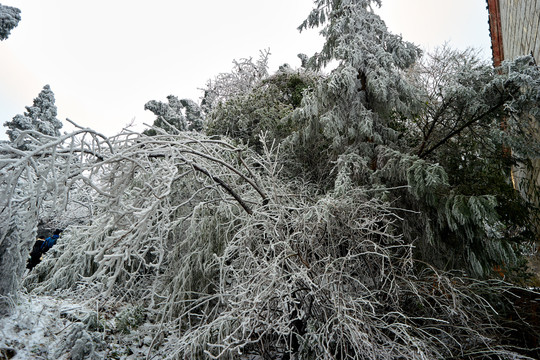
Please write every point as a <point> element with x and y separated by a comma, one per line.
<point>495,32</point>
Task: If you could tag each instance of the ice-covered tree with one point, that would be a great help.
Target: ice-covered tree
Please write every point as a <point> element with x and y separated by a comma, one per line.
<point>319,245</point>
<point>40,118</point>
<point>378,121</point>
<point>471,115</point>
<point>244,76</point>
<point>9,19</point>
<point>175,115</point>
<point>265,108</point>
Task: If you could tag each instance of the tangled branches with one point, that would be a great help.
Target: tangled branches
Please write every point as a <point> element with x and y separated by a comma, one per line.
<point>332,280</point>
<point>228,259</point>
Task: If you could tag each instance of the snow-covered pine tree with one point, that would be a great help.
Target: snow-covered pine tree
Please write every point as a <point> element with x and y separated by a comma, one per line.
<point>9,19</point>
<point>377,123</point>
<point>40,118</point>
<point>346,114</point>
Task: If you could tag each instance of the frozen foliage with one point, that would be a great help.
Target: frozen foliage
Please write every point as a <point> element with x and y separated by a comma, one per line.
<point>432,128</point>
<point>9,19</point>
<point>20,210</point>
<point>180,115</point>
<point>176,115</point>
<point>17,234</point>
<point>227,259</point>
<point>323,241</point>
<point>34,185</point>
<point>40,117</point>
<point>245,75</point>
<point>266,108</point>
<point>347,112</point>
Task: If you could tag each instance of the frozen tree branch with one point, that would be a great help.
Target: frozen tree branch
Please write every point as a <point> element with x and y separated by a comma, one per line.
<point>174,226</point>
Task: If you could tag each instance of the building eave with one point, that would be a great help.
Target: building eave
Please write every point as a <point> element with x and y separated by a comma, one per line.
<point>495,32</point>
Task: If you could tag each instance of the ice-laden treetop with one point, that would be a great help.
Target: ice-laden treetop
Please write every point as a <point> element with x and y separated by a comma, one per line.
<point>40,117</point>
<point>9,19</point>
<point>353,106</point>
<point>348,116</point>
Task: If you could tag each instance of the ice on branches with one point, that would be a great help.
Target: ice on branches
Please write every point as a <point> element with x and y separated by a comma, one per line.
<point>9,19</point>
<point>229,259</point>
<point>40,117</point>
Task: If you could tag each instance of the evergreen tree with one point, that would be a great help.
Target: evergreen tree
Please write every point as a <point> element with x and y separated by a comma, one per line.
<point>9,19</point>
<point>41,118</point>
<point>176,115</point>
<point>378,122</point>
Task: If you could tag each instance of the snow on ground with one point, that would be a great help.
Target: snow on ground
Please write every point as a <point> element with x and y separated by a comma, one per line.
<point>45,327</point>
<point>36,325</point>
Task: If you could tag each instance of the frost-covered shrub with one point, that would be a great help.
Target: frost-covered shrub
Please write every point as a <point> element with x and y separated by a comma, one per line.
<point>331,279</point>
<point>184,114</point>
<point>245,75</point>
<point>79,344</point>
<point>227,258</point>
<point>265,109</point>
<point>130,318</point>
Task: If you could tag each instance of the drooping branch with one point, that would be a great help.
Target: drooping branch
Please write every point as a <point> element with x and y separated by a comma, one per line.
<point>434,122</point>
<point>233,169</point>
<point>225,186</point>
<point>189,150</point>
<point>461,128</point>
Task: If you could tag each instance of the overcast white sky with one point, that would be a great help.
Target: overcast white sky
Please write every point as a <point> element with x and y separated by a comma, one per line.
<point>104,59</point>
